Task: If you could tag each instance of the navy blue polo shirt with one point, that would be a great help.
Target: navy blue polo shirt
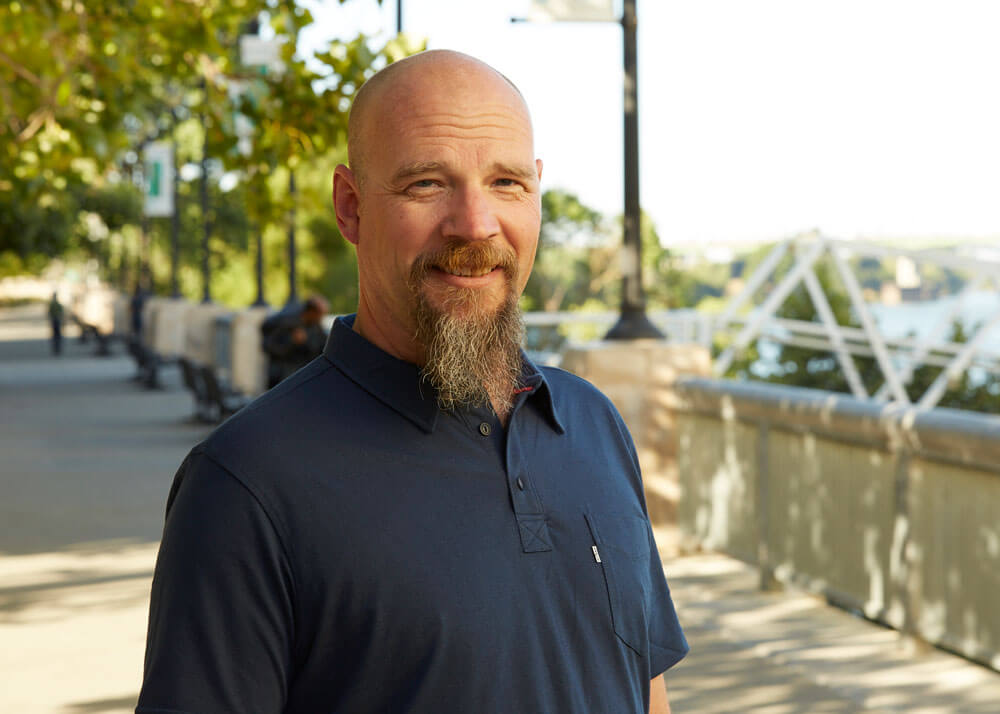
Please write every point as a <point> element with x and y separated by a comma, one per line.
<point>343,545</point>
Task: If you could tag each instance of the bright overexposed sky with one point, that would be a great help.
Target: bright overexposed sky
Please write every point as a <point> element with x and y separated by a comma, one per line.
<point>759,119</point>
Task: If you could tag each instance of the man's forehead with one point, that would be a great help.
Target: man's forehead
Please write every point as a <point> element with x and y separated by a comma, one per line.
<point>432,93</point>
<point>437,75</point>
<point>465,101</point>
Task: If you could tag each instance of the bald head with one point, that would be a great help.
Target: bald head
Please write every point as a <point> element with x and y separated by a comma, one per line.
<point>393,87</point>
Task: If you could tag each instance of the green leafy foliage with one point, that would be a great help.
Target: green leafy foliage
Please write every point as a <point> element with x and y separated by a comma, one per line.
<point>578,266</point>
<point>83,84</point>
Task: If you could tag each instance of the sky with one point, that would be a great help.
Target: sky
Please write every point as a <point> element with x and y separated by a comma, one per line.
<point>758,119</point>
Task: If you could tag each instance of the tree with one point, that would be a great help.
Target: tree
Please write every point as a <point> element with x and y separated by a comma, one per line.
<point>84,84</point>
<point>974,391</point>
<point>79,81</point>
<point>578,260</point>
<point>570,263</point>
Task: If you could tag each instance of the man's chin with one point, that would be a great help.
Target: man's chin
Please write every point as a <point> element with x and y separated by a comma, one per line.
<point>466,303</point>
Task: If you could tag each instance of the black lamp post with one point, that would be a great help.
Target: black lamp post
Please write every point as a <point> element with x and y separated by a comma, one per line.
<point>206,292</point>
<point>252,27</point>
<point>175,226</point>
<point>293,297</point>
<point>633,322</point>
<point>259,237</point>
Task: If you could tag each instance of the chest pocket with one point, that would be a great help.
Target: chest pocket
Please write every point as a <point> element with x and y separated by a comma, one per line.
<point>623,547</point>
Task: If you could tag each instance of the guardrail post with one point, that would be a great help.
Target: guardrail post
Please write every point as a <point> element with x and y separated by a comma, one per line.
<point>903,566</point>
<point>767,579</point>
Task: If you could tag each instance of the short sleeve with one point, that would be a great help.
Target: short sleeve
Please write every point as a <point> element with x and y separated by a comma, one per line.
<point>667,644</point>
<point>220,620</point>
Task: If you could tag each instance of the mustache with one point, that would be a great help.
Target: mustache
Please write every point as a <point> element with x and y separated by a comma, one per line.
<point>462,256</point>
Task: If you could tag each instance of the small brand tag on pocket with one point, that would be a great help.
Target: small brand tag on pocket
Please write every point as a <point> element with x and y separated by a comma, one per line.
<point>597,555</point>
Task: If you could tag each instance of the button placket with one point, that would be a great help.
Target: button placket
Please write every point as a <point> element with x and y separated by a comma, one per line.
<point>523,496</point>
<point>528,510</point>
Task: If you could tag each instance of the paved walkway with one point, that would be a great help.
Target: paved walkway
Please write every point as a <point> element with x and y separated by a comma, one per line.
<point>87,456</point>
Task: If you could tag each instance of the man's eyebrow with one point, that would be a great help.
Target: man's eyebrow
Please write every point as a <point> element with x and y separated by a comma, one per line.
<point>520,171</point>
<point>418,168</point>
<point>415,169</point>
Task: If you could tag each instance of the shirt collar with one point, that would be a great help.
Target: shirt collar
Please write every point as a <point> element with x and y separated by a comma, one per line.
<point>398,384</point>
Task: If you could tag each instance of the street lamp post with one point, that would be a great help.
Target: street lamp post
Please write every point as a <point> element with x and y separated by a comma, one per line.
<point>206,292</point>
<point>142,258</point>
<point>175,228</point>
<point>632,322</point>
<point>293,297</point>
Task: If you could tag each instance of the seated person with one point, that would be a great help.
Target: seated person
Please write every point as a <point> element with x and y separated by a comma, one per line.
<point>293,338</point>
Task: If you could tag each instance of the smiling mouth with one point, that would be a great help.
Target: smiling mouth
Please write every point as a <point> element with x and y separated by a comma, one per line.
<point>467,272</point>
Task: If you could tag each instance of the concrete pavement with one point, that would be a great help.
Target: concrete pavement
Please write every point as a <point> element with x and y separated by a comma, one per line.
<point>87,456</point>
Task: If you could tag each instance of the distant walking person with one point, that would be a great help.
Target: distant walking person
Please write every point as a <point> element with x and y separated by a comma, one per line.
<point>56,319</point>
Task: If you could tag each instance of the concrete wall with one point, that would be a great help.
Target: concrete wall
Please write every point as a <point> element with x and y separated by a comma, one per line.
<point>249,363</point>
<point>164,325</point>
<point>199,335</point>
<point>884,510</point>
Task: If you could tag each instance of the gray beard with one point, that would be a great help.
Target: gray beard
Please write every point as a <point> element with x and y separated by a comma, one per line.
<point>472,357</point>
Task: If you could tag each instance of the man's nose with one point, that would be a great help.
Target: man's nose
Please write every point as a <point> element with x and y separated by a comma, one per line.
<point>471,215</point>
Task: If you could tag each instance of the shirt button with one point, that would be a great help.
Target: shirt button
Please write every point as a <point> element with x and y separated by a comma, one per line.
<point>484,429</point>
<point>520,483</point>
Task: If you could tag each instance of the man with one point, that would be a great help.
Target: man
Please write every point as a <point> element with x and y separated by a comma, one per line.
<point>420,520</point>
<point>292,340</point>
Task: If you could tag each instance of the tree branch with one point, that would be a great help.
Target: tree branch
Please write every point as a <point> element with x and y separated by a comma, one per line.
<point>20,71</point>
<point>35,122</point>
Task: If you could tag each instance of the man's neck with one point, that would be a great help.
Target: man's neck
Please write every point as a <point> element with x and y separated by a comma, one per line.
<point>503,414</point>
<point>388,341</point>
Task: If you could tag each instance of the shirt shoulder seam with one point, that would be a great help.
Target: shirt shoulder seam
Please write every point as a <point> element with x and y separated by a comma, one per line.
<point>268,511</point>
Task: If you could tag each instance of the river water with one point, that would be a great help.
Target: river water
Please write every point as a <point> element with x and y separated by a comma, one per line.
<point>920,318</point>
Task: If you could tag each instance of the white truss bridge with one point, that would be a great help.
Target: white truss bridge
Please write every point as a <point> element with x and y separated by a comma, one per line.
<point>753,314</point>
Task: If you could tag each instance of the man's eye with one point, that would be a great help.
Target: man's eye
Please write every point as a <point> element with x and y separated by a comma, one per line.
<point>423,183</point>
<point>507,183</point>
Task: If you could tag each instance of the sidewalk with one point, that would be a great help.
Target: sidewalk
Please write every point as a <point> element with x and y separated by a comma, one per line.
<point>87,456</point>
<point>791,653</point>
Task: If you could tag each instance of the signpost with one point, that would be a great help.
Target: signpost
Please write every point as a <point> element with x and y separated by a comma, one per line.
<point>265,56</point>
<point>158,160</point>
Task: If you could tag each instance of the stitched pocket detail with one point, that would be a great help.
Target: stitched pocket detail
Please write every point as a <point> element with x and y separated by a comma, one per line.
<point>623,545</point>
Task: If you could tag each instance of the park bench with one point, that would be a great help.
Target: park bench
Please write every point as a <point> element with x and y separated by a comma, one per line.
<point>223,400</point>
<point>217,351</point>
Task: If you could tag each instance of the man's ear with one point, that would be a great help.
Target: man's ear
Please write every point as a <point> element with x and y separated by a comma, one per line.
<point>538,166</point>
<point>346,201</point>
